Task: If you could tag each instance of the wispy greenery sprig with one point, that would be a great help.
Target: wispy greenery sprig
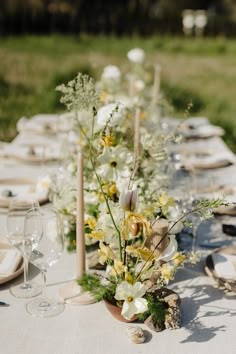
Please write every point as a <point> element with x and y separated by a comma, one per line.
<point>92,283</point>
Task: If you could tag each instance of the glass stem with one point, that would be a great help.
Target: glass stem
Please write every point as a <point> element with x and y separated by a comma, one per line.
<point>44,273</point>
<point>26,271</point>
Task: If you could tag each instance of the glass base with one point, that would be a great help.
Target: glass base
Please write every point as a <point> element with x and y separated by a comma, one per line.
<point>25,291</point>
<point>41,307</point>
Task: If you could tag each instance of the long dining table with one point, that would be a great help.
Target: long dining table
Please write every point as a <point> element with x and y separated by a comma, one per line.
<point>208,314</point>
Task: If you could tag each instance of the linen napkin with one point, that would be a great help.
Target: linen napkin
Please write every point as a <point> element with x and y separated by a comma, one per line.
<point>209,161</point>
<point>202,132</point>
<point>194,122</point>
<point>9,261</point>
<point>41,123</point>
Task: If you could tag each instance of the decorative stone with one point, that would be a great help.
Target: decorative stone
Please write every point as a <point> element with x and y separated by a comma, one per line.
<point>173,300</point>
<point>136,334</point>
<point>173,318</point>
<point>157,327</point>
<point>173,314</point>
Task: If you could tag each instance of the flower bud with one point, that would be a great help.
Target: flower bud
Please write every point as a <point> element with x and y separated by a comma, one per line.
<point>134,228</point>
<point>128,200</point>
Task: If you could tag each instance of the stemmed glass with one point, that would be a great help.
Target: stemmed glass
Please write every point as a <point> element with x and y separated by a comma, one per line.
<point>48,227</point>
<point>17,210</point>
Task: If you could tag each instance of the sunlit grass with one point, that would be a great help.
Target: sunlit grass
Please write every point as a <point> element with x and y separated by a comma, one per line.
<point>200,70</point>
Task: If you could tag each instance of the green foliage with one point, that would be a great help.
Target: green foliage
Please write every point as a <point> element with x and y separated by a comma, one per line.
<point>156,308</point>
<point>93,284</point>
<point>180,97</point>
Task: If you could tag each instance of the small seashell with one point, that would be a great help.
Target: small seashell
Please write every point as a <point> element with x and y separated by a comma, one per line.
<point>136,334</point>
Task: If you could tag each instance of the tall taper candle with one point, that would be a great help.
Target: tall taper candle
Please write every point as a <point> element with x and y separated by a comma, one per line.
<point>156,84</point>
<point>131,88</point>
<point>137,133</point>
<point>80,241</point>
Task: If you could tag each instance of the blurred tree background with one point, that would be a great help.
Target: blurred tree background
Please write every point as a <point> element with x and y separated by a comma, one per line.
<point>116,17</point>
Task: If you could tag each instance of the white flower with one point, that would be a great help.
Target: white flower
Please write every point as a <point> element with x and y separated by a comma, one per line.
<point>111,72</point>
<point>136,55</point>
<point>132,295</point>
<point>129,199</point>
<point>105,223</point>
<point>114,163</point>
<point>139,85</point>
<point>170,250</point>
<point>43,185</point>
<point>112,112</point>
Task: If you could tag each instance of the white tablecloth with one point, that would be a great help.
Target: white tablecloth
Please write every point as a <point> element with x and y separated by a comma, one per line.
<point>208,315</point>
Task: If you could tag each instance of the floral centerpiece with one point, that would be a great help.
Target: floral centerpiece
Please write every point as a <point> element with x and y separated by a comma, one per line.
<point>135,228</point>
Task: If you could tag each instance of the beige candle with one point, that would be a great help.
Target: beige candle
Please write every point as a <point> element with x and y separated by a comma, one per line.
<point>156,84</point>
<point>80,241</point>
<point>131,86</point>
<point>137,133</point>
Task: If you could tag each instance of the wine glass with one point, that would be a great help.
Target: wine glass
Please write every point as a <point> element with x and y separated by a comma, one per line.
<point>48,227</point>
<point>17,210</point>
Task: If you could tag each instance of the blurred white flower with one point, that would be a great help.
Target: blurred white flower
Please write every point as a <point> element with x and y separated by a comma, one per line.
<point>112,112</point>
<point>43,185</point>
<point>111,72</point>
<point>136,55</point>
<point>139,85</point>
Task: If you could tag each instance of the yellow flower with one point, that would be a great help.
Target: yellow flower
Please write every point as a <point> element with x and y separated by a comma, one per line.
<point>164,202</point>
<point>129,278</point>
<point>143,115</point>
<point>112,190</point>
<point>103,96</point>
<point>143,252</point>
<point>105,253</point>
<point>138,218</point>
<point>167,272</point>
<point>179,259</point>
<point>118,266</point>
<point>129,115</point>
<point>91,222</point>
<point>151,209</point>
<point>108,140</point>
<point>97,234</point>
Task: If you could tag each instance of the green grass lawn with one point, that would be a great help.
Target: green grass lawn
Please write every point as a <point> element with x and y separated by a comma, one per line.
<point>193,69</point>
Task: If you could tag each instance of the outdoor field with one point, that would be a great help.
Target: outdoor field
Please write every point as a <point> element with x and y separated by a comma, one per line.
<point>197,70</point>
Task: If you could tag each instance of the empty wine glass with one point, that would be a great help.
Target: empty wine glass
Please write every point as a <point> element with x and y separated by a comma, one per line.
<point>15,233</point>
<point>47,252</point>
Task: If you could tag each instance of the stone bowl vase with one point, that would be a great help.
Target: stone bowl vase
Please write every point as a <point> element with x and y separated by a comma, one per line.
<point>116,312</point>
